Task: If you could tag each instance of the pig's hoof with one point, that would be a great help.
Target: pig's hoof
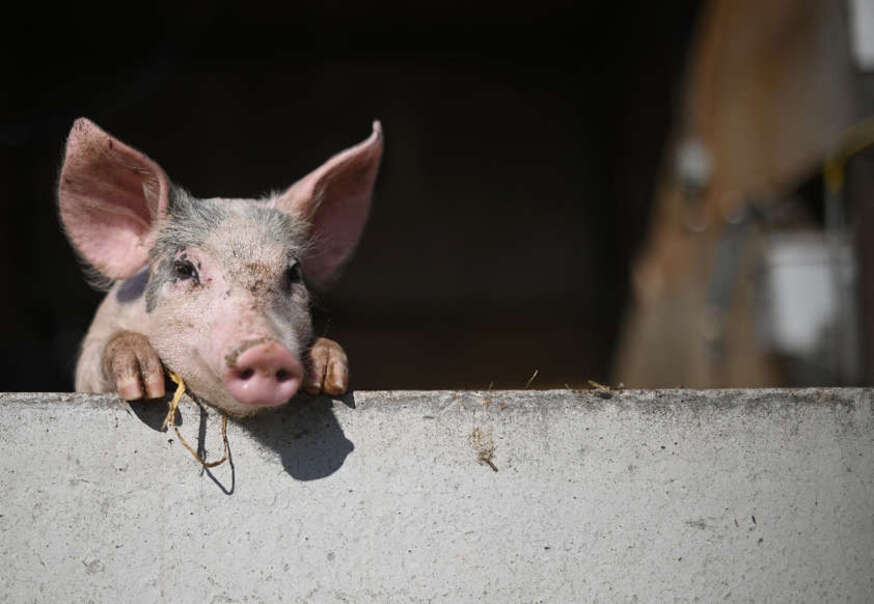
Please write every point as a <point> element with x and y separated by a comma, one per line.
<point>132,366</point>
<point>328,369</point>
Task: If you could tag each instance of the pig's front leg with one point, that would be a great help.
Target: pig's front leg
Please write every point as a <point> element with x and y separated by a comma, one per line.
<point>328,369</point>
<point>131,367</point>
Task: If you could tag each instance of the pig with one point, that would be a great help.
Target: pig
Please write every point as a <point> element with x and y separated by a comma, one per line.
<point>216,290</point>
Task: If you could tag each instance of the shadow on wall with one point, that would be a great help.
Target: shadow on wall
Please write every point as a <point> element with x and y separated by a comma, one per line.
<point>304,434</point>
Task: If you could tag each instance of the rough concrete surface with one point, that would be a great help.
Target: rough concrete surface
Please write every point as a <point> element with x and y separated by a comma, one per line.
<point>524,496</point>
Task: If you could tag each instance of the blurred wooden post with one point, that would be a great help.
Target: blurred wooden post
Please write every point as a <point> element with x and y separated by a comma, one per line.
<point>770,87</point>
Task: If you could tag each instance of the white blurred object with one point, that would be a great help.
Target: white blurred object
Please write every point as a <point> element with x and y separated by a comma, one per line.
<point>694,163</point>
<point>809,304</point>
<point>862,33</point>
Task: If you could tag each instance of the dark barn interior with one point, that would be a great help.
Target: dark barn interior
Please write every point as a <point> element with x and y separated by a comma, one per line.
<point>522,146</point>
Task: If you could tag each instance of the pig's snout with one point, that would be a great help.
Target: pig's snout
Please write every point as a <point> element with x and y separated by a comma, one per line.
<point>265,374</point>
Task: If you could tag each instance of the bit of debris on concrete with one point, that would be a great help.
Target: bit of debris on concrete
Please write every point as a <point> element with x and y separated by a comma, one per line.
<point>484,445</point>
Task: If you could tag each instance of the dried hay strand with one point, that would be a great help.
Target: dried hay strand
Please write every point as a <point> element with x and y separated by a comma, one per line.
<point>170,420</point>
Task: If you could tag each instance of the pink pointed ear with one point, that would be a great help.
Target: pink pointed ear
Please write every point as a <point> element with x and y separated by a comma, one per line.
<point>335,200</point>
<point>110,197</point>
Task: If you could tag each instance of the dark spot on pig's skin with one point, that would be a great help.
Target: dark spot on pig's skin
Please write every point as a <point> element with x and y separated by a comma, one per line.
<point>134,287</point>
<point>162,273</point>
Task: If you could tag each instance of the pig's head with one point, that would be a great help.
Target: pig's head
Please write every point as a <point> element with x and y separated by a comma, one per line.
<point>224,282</point>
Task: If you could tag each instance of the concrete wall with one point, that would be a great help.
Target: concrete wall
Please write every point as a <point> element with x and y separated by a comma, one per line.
<point>528,496</point>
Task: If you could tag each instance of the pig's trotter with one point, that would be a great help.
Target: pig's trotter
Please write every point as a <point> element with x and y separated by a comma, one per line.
<point>328,369</point>
<point>131,364</point>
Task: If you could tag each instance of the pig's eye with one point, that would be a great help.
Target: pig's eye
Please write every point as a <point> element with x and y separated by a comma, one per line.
<point>293,275</point>
<point>184,269</point>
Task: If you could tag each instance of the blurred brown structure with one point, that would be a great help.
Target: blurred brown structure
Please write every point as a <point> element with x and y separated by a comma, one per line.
<point>770,89</point>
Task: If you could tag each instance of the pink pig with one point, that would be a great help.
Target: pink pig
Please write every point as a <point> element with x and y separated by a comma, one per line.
<point>215,290</point>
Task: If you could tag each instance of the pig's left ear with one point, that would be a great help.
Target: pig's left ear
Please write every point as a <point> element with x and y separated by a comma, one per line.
<point>110,197</point>
<point>335,200</point>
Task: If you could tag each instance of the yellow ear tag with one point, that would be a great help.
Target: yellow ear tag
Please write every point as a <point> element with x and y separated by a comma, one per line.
<point>170,420</point>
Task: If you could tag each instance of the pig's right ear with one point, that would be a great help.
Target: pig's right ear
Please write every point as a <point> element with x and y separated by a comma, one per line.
<point>110,197</point>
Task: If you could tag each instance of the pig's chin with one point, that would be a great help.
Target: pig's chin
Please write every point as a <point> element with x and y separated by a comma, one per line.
<point>235,408</point>
<point>216,396</point>
<point>239,408</point>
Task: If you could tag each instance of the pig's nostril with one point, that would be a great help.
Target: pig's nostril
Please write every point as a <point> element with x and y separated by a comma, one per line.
<point>282,375</point>
<point>247,373</point>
